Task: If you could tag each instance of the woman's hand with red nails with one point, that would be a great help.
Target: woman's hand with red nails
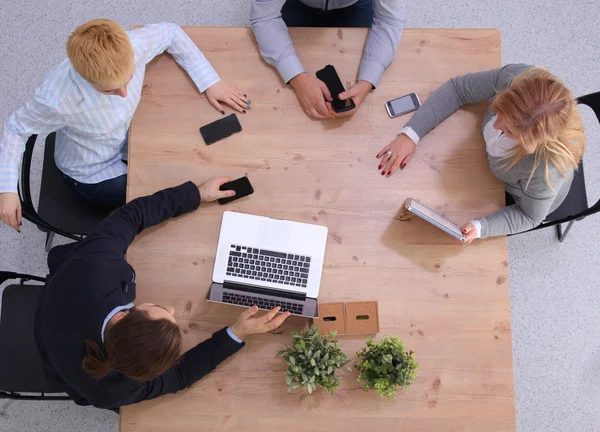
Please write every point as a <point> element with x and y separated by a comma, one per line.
<point>470,232</point>
<point>402,150</point>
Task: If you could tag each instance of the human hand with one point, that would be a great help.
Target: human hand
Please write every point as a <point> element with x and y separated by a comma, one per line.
<point>209,190</point>
<point>312,94</point>
<point>402,149</point>
<point>470,232</point>
<point>10,210</point>
<point>357,93</point>
<point>224,92</point>
<point>247,324</point>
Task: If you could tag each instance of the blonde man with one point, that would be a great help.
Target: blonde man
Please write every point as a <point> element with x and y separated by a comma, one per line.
<point>89,100</point>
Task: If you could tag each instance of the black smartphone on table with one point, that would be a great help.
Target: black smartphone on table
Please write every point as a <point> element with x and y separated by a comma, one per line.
<point>220,129</point>
<point>332,80</point>
<point>241,186</point>
<point>403,105</point>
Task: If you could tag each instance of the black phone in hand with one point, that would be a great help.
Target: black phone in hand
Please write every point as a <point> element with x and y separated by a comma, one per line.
<point>241,186</point>
<point>332,80</point>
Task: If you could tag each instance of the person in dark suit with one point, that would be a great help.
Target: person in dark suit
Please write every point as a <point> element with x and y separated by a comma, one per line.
<point>108,352</point>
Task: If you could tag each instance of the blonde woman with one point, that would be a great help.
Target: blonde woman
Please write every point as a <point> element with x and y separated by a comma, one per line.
<point>89,100</point>
<point>533,134</point>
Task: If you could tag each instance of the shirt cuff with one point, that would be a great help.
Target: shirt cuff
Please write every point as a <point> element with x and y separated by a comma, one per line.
<point>204,76</point>
<point>9,177</point>
<point>370,71</point>
<point>409,132</point>
<point>477,227</point>
<point>233,336</point>
<point>289,67</point>
<point>193,196</point>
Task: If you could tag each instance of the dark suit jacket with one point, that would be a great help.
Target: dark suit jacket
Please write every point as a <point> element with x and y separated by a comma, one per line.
<point>87,281</point>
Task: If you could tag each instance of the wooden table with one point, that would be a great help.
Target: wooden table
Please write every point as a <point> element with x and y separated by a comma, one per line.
<point>449,303</point>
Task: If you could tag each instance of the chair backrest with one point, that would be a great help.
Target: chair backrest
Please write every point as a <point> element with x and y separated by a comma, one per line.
<point>21,368</point>
<point>593,101</point>
<point>4,276</point>
<point>24,187</point>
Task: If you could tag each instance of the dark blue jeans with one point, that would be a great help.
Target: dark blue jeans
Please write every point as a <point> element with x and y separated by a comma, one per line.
<point>297,14</point>
<point>109,193</point>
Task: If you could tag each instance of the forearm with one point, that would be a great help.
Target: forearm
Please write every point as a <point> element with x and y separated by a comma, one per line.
<point>507,220</point>
<point>189,57</point>
<point>383,40</point>
<point>12,147</point>
<point>205,357</point>
<point>460,91</point>
<point>9,173</point>
<point>35,117</point>
<point>534,202</point>
<point>195,364</point>
<point>442,103</point>
<point>169,37</point>
<point>273,38</point>
<point>117,231</point>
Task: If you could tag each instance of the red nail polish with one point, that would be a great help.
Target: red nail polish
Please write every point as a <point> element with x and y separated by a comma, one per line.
<point>389,172</point>
<point>382,172</point>
<point>379,167</point>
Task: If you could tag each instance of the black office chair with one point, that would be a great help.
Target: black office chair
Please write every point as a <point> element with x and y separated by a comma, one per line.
<point>575,206</point>
<point>59,211</point>
<point>20,363</point>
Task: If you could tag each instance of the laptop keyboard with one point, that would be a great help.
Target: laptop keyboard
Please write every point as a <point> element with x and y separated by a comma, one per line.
<point>249,300</point>
<point>268,266</point>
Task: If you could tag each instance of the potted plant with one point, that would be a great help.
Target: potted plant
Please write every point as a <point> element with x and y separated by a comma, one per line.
<point>313,360</point>
<point>385,366</point>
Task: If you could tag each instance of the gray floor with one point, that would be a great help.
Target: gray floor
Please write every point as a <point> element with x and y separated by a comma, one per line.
<point>556,330</point>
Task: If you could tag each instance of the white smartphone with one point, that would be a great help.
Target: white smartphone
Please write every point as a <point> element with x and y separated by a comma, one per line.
<point>402,105</point>
<point>434,218</point>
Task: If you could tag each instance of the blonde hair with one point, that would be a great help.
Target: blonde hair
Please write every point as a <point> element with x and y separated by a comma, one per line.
<point>101,52</point>
<point>546,121</point>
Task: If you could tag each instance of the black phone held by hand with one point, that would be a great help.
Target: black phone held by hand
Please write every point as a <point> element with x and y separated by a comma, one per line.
<point>220,129</point>
<point>241,186</point>
<point>332,80</point>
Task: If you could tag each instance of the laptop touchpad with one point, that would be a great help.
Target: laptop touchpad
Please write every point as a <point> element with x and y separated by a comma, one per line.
<point>274,235</point>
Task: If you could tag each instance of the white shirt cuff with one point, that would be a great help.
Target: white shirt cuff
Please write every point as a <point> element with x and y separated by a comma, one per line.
<point>477,227</point>
<point>370,71</point>
<point>410,133</point>
<point>289,68</point>
<point>233,336</point>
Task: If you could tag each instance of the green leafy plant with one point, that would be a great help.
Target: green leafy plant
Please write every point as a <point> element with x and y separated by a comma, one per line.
<point>313,360</point>
<point>386,365</point>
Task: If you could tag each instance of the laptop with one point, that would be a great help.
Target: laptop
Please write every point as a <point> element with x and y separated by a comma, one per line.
<point>269,262</point>
<point>436,219</point>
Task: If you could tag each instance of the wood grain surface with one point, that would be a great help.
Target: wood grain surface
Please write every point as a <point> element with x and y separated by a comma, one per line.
<point>448,302</point>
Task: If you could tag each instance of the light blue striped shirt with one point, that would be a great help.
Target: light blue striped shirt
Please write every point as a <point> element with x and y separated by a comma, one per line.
<point>92,127</point>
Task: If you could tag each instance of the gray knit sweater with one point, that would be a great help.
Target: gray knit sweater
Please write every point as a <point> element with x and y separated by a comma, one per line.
<point>534,202</point>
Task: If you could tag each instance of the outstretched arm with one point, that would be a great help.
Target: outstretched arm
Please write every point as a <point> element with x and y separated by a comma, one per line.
<point>117,231</point>
<point>383,40</point>
<point>274,41</point>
